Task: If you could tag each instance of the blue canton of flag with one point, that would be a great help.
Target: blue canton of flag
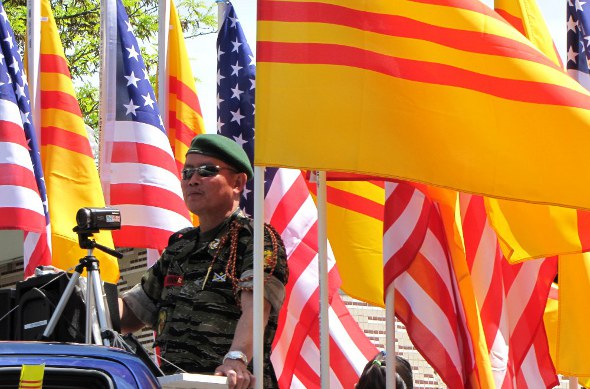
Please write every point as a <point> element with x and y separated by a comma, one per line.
<point>236,84</point>
<point>578,39</point>
<point>14,88</point>
<point>135,95</point>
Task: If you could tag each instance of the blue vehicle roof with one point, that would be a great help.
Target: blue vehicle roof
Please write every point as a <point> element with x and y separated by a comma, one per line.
<point>125,369</point>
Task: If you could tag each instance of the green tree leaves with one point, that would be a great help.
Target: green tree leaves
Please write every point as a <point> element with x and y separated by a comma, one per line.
<point>78,23</point>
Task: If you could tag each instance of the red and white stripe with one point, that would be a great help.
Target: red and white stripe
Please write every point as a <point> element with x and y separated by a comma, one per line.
<point>512,300</point>
<point>296,355</point>
<point>21,206</point>
<point>37,250</point>
<point>427,297</point>
<point>140,178</point>
<point>405,221</point>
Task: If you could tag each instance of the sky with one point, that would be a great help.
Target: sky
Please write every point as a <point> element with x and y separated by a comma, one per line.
<point>202,51</point>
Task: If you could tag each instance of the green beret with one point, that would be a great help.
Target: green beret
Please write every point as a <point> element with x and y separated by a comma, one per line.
<point>223,148</point>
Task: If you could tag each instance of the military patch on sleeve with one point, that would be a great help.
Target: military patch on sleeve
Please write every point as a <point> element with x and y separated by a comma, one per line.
<point>268,258</point>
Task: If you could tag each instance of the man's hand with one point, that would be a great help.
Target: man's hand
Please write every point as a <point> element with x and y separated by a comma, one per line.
<point>236,370</point>
<point>237,373</point>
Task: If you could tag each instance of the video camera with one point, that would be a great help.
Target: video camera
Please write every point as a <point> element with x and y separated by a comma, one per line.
<point>95,219</point>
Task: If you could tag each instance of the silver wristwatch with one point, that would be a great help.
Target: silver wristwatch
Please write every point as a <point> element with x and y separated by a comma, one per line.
<point>236,355</point>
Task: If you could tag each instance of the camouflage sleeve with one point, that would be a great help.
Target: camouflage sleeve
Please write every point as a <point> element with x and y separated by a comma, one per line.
<point>274,290</point>
<point>143,298</point>
<point>152,281</point>
<point>275,264</point>
<point>141,305</point>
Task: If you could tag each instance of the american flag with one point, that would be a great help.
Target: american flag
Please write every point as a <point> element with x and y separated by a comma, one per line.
<point>290,209</point>
<point>578,29</point>
<point>511,300</point>
<point>236,84</point>
<point>427,299</point>
<point>138,172</point>
<point>444,290</point>
<point>23,198</point>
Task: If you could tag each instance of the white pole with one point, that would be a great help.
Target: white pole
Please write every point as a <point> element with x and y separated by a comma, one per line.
<point>390,338</point>
<point>108,84</point>
<point>258,291</point>
<point>221,12</point>
<point>323,279</point>
<point>33,59</point>
<point>258,287</point>
<point>163,32</point>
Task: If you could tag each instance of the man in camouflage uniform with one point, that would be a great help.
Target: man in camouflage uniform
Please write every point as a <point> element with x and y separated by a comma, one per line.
<point>198,296</point>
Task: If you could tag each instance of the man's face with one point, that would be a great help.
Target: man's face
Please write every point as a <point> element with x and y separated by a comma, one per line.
<point>214,195</point>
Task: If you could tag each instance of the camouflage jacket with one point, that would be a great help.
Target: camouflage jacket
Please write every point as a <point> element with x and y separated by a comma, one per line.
<point>198,307</point>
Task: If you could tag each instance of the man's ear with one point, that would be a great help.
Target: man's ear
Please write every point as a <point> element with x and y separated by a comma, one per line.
<point>241,180</point>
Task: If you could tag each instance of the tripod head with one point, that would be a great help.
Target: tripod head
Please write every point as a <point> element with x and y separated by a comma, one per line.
<point>86,243</point>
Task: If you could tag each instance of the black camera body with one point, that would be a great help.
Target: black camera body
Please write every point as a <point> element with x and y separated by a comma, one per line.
<point>95,219</point>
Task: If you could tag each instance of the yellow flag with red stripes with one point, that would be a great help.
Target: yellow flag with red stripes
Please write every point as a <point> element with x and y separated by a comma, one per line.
<point>355,226</point>
<point>185,119</point>
<point>442,92</point>
<point>68,162</point>
<point>526,17</point>
<point>534,230</point>
<point>31,377</point>
<point>572,325</point>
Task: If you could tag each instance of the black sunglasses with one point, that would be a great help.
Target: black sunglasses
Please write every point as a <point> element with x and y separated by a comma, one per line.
<point>203,171</point>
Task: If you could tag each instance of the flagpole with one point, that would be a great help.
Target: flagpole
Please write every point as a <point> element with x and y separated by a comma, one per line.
<point>221,11</point>
<point>162,96</point>
<point>108,82</point>
<point>163,32</point>
<point>258,282</point>
<point>33,59</point>
<point>258,292</point>
<point>390,382</point>
<point>323,279</point>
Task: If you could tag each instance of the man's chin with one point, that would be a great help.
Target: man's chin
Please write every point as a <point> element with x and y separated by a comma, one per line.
<point>193,205</point>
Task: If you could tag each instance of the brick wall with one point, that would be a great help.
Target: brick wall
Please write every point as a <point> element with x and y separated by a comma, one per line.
<point>371,319</point>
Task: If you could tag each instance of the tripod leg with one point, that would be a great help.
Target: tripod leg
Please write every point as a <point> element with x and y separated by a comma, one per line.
<point>61,305</point>
<point>93,332</point>
<point>94,277</point>
<point>90,316</point>
<point>93,328</point>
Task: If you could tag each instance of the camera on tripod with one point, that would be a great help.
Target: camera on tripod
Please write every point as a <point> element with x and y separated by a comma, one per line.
<point>89,221</point>
<point>92,220</point>
<point>95,219</point>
